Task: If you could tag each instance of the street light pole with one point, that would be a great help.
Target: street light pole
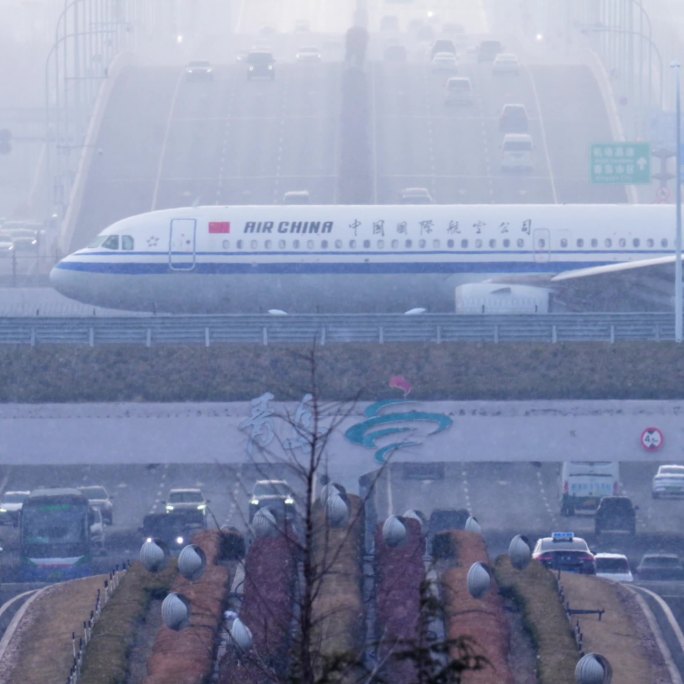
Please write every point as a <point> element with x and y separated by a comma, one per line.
<point>678,204</point>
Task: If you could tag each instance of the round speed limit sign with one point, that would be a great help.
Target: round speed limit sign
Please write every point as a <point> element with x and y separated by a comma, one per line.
<point>652,439</point>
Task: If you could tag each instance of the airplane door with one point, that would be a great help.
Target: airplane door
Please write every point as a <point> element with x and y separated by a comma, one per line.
<point>541,244</point>
<point>182,233</point>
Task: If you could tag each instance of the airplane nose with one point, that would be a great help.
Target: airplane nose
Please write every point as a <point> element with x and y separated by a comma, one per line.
<point>61,279</point>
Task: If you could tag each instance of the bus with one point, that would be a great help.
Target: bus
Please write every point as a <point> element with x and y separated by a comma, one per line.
<point>54,536</point>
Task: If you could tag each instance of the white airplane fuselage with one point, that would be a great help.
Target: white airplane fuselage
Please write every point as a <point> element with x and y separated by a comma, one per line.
<point>331,258</point>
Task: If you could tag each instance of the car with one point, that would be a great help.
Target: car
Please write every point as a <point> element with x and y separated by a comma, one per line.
<point>660,566</point>
<point>444,61</point>
<point>506,63</point>
<point>199,69</point>
<point>415,196</point>
<point>458,90</point>
<point>516,152</point>
<point>308,53</point>
<point>668,481</point>
<point>277,495</point>
<point>170,531</point>
<point>296,197</point>
<point>442,45</point>
<point>98,496</point>
<point>487,50</point>
<point>24,240</point>
<point>188,503</point>
<point>564,551</point>
<point>615,514</point>
<point>513,119</point>
<point>613,566</point>
<point>6,244</point>
<point>97,529</point>
<point>260,64</point>
<point>395,53</point>
<point>10,506</point>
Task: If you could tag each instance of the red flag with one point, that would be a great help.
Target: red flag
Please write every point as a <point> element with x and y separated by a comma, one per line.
<point>219,226</point>
<point>401,383</point>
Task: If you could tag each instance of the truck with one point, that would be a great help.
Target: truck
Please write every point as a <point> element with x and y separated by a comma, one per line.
<point>584,483</point>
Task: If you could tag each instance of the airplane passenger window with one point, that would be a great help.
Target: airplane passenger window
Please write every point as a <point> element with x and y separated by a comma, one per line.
<point>478,243</point>
<point>580,242</point>
<point>268,244</point>
<point>366,244</point>
<point>381,244</point>
<point>650,242</point>
<point>338,244</point>
<point>409,243</point>
<point>352,244</point>
<point>520,242</point>
<point>594,242</point>
<point>564,242</point>
<point>663,242</point>
<point>226,244</point>
<point>127,242</point>
<point>395,244</point>
<point>254,244</point>
<point>464,244</point>
<point>622,242</point>
<point>450,244</point>
<point>435,244</point>
<point>422,244</point>
<point>112,242</point>
<point>295,244</point>
<point>506,243</point>
<point>636,242</point>
<point>309,244</point>
<point>282,244</point>
<point>324,244</point>
<point>492,244</point>
<point>238,244</point>
<point>609,242</point>
<point>541,243</point>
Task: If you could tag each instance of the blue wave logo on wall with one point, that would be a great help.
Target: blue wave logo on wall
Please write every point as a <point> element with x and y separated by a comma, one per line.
<point>383,423</point>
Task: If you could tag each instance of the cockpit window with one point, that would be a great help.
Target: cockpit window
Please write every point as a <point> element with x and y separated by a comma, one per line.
<point>111,242</point>
<point>127,242</point>
<point>97,242</point>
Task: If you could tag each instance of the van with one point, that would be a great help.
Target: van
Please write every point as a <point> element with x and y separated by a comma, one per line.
<point>487,50</point>
<point>513,119</point>
<point>458,90</point>
<point>516,152</point>
<point>296,197</point>
<point>584,483</point>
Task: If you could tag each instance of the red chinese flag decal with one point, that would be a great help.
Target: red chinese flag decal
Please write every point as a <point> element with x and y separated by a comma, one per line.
<point>219,227</point>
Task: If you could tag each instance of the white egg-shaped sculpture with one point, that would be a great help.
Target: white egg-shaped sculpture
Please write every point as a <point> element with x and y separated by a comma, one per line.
<point>472,525</point>
<point>590,670</point>
<point>241,634</point>
<point>336,510</point>
<point>519,552</point>
<point>191,562</point>
<point>393,531</point>
<point>175,611</point>
<point>479,580</point>
<point>264,523</point>
<point>152,556</point>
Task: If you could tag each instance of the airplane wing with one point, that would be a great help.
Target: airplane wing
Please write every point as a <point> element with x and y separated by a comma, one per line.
<point>659,264</point>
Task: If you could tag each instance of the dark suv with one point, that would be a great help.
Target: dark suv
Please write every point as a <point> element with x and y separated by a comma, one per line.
<point>615,514</point>
<point>260,64</point>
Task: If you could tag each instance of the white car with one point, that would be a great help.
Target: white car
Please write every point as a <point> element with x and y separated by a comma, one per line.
<point>505,63</point>
<point>613,566</point>
<point>308,54</point>
<point>668,481</point>
<point>444,61</point>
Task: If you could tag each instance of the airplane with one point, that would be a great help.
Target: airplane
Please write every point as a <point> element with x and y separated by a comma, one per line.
<point>368,258</point>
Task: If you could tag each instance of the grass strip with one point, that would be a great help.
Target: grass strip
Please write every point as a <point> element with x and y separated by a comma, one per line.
<point>535,591</point>
<point>106,657</point>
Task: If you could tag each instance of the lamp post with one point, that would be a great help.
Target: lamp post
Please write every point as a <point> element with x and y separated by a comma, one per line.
<point>678,207</point>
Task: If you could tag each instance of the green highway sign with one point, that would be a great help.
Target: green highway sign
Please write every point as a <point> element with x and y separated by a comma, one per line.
<point>627,163</point>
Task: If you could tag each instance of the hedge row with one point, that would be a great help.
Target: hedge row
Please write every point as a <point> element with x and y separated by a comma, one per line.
<point>535,591</point>
<point>187,656</point>
<point>270,574</point>
<point>399,573</point>
<point>482,621</point>
<point>338,610</point>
